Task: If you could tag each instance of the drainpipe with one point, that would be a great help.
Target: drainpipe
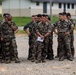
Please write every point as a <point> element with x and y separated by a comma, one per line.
<point>51,9</point>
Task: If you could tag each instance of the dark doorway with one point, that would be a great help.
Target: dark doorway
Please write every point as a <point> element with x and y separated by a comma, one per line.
<point>44,7</point>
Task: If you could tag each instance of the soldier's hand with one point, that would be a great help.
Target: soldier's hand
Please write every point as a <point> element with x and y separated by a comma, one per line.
<point>67,33</point>
<point>9,22</point>
<point>56,32</point>
<point>42,37</point>
<point>29,34</point>
<point>1,39</point>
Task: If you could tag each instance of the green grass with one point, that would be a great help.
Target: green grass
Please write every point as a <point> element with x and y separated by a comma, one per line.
<point>54,19</point>
<point>21,21</point>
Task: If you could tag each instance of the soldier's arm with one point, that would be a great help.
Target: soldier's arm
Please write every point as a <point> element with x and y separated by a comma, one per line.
<point>55,28</point>
<point>16,31</point>
<point>1,34</point>
<point>38,33</point>
<point>49,30</point>
<point>0,30</point>
<point>26,26</point>
<point>71,28</point>
<point>13,25</point>
<point>47,34</point>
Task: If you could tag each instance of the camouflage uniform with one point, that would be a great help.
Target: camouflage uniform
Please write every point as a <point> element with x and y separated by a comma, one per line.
<point>0,43</point>
<point>72,39</point>
<point>32,39</point>
<point>9,43</point>
<point>63,27</point>
<point>13,45</point>
<point>42,47</point>
<point>50,54</point>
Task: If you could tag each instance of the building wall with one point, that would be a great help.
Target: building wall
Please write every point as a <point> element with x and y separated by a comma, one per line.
<point>55,9</point>
<point>28,8</point>
<point>39,9</point>
<point>36,9</point>
<point>17,7</point>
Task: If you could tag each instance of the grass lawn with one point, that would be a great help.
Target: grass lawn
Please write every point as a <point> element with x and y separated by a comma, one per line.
<point>21,21</point>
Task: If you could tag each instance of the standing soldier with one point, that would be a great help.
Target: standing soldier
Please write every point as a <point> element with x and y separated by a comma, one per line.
<point>32,38</point>
<point>29,25</point>
<point>72,34</point>
<point>63,30</point>
<point>13,45</point>
<point>0,44</point>
<point>50,54</point>
<point>42,30</point>
<point>8,38</point>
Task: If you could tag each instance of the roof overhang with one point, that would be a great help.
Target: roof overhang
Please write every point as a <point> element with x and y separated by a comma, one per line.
<point>56,1</point>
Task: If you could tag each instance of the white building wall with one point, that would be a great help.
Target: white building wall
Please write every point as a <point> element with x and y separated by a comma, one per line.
<point>17,7</point>
<point>5,4</point>
<point>28,8</point>
<point>36,9</point>
<point>39,9</point>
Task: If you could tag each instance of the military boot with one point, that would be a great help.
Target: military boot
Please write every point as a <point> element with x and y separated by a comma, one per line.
<point>17,60</point>
<point>7,61</point>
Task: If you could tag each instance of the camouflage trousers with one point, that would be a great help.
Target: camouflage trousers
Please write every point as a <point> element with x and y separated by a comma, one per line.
<point>42,49</point>
<point>72,46</point>
<point>64,40</point>
<point>58,49</point>
<point>9,50</point>
<point>13,49</point>
<point>6,49</point>
<point>0,49</point>
<point>32,48</point>
<point>50,48</point>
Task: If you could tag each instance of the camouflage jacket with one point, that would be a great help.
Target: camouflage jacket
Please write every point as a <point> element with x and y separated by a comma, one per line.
<point>6,30</point>
<point>43,28</point>
<point>63,26</point>
<point>31,26</point>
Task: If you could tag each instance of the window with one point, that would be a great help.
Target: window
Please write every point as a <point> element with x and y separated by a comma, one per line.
<point>60,5</point>
<point>37,3</point>
<point>52,3</point>
<point>72,6</point>
<point>68,6</point>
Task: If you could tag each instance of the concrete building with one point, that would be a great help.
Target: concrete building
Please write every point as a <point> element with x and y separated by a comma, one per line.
<point>30,7</point>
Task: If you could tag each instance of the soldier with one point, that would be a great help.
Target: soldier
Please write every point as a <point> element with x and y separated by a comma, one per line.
<point>32,38</point>
<point>0,45</point>
<point>70,21</point>
<point>42,30</point>
<point>13,45</point>
<point>50,54</point>
<point>8,38</point>
<point>63,30</point>
<point>72,35</point>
